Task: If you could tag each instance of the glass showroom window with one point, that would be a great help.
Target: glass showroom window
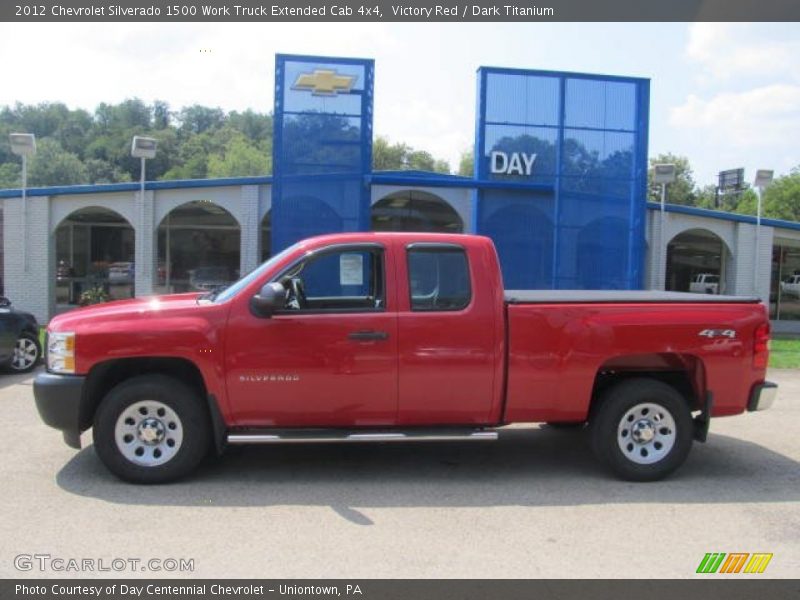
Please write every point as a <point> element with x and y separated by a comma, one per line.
<point>94,254</point>
<point>198,249</point>
<point>696,262</point>
<point>415,211</point>
<point>266,237</point>
<point>784,293</point>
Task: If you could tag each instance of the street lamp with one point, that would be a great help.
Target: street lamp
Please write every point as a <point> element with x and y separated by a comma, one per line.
<point>24,145</point>
<point>143,148</point>
<point>763,179</point>
<point>663,174</point>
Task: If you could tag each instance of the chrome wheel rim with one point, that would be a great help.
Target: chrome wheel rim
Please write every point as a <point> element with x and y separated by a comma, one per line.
<point>149,433</point>
<point>26,353</point>
<point>646,433</point>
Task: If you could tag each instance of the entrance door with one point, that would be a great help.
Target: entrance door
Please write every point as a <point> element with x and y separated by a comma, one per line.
<point>329,358</point>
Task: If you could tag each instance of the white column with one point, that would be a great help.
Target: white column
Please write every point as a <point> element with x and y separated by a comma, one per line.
<point>751,278</point>
<point>249,255</point>
<point>32,290</point>
<point>146,238</point>
<point>657,249</point>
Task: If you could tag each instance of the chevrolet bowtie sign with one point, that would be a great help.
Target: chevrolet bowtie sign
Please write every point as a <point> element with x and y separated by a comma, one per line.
<point>324,82</point>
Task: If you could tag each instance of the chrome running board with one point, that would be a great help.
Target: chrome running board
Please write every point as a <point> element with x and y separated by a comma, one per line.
<point>318,436</point>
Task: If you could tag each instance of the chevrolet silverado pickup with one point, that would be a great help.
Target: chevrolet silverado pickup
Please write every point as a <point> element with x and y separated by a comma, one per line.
<point>398,337</point>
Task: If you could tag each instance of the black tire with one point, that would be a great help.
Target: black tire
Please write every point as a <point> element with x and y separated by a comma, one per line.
<point>19,365</point>
<point>616,444</point>
<point>184,410</point>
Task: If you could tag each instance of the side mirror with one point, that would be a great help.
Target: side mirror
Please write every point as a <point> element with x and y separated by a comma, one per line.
<point>272,297</point>
<point>4,302</point>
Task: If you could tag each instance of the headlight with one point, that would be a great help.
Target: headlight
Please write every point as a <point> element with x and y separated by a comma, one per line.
<point>61,352</point>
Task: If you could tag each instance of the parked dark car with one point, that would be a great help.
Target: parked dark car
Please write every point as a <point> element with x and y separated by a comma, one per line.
<point>20,350</point>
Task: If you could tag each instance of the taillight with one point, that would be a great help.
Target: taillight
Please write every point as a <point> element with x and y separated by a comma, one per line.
<point>761,347</point>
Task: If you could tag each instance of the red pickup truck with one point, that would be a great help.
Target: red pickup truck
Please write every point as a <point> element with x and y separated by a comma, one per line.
<point>394,337</point>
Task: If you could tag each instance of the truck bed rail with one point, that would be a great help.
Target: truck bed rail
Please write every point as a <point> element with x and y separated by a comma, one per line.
<point>618,296</point>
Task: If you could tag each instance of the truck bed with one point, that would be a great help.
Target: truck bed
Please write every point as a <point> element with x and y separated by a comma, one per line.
<point>618,296</point>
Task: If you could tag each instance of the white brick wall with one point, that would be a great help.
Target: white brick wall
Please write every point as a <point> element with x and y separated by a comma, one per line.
<point>250,255</point>
<point>741,276</point>
<point>32,290</point>
<point>29,289</point>
<point>145,248</point>
<point>752,279</point>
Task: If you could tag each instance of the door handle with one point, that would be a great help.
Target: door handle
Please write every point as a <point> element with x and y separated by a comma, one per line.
<point>365,336</point>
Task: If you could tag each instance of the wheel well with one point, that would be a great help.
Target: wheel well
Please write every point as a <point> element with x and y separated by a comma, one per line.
<point>106,375</point>
<point>683,373</point>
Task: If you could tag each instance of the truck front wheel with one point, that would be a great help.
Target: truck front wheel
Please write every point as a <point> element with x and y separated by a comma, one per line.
<point>151,429</point>
<point>642,429</point>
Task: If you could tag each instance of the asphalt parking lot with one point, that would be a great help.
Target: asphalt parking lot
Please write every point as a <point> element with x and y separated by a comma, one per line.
<point>534,504</point>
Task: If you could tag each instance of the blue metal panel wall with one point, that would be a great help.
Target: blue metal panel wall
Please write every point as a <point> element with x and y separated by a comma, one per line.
<point>589,135</point>
<point>322,146</point>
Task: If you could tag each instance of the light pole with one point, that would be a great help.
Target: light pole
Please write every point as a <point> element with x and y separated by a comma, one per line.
<point>24,145</point>
<point>143,148</point>
<point>763,179</point>
<point>663,174</point>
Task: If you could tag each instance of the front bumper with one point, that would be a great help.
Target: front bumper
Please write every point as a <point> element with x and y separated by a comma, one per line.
<point>59,399</point>
<point>762,396</point>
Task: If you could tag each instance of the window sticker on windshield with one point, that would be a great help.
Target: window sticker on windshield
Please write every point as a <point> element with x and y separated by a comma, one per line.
<point>351,269</point>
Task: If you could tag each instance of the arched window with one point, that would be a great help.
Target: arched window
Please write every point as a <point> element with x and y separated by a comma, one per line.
<point>696,262</point>
<point>198,248</point>
<point>94,249</point>
<point>414,210</point>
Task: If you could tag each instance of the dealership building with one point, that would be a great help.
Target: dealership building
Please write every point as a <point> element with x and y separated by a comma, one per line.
<point>559,184</point>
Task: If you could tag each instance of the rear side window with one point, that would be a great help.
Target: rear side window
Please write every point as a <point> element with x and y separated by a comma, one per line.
<point>438,278</point>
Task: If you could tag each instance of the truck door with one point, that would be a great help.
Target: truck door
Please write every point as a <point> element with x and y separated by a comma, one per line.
<point>448,346</point>
<point>329,358</point>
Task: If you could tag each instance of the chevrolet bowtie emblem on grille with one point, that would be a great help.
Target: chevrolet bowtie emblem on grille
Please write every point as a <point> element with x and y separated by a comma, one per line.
<point>324,82</point>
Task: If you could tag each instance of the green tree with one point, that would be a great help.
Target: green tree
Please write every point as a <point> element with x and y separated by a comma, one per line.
<point>52,165</point>
<point>240,158</point>
<point>10,175</point>
<point>705,197</point>
<point>161,114</point>
<point>466,165</point>
<point>782,198</point>
<point>682,190</point>
<point>388,157</point>
<point>197,119</point>
<point>101,171</point>
<point>746,203</point>
<point>401,157</point>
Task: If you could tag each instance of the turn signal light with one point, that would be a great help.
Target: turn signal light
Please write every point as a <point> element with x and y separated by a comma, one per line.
<point>61,352</point>
<point>761,347</point>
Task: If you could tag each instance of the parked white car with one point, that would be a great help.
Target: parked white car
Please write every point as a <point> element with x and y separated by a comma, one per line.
<point>791,286</point>
<point>705,283</point>
<point>120,272</point>
<point>208,279</point>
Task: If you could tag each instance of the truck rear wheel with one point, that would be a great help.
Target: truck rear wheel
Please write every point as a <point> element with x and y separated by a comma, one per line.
<point>642,429</point>
<point>151,429</point>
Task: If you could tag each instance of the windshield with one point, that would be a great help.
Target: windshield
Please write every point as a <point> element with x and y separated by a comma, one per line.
<point>230,291</point>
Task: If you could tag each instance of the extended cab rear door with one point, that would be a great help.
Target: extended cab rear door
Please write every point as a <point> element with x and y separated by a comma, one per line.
<point>449,350</point>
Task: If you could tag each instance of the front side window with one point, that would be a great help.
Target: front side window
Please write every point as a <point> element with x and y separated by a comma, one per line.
<point>347,280</point>
<point>438,278</point>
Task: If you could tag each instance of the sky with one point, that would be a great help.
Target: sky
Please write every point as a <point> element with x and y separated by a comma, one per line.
<point>724,95</point>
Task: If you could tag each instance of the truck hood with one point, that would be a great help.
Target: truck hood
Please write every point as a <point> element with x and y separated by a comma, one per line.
<point>136,308</point>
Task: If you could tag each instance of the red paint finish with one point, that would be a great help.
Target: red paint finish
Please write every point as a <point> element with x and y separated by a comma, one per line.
<point>557,350</point>
<point>431,368</point>
<point>451,373</point>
